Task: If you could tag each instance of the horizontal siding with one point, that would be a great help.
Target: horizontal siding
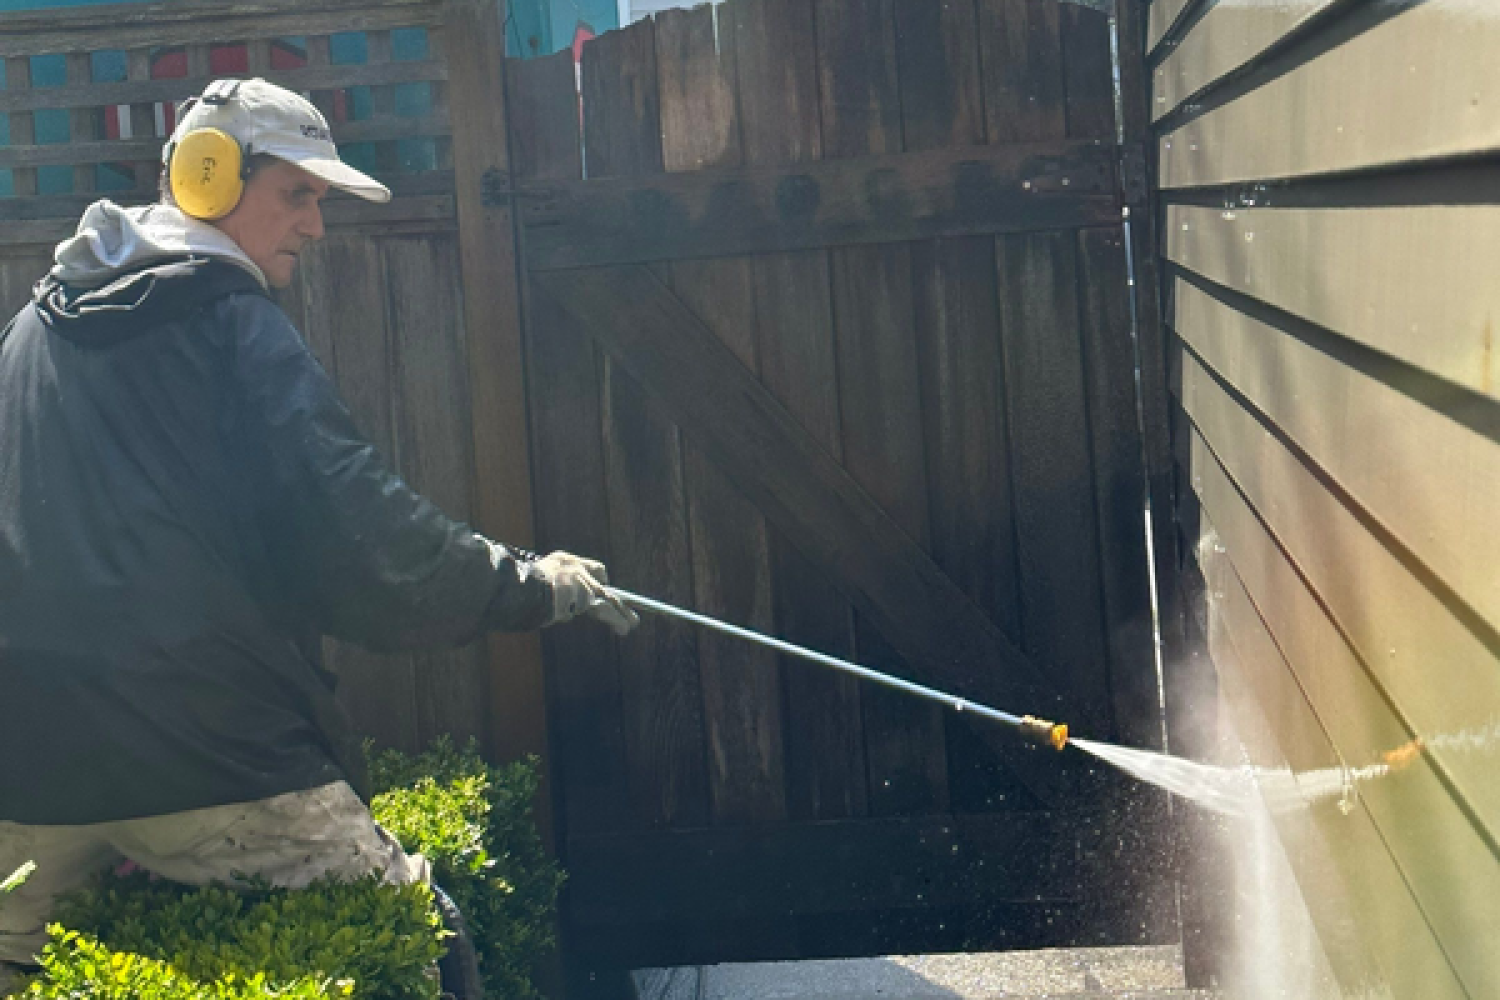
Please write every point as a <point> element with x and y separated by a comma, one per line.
<point>1429,482</point>
<point>1409,647</point>
<point>1376,936</point>
<point>1231,34</point>
<point>1419,85</point>
<point>1164,14</point>
<point>1418,283</point>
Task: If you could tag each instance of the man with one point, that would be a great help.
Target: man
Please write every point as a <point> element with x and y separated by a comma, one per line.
<point>185,509</point>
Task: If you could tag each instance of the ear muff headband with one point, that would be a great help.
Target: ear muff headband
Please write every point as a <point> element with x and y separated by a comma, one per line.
<point>206,172</point>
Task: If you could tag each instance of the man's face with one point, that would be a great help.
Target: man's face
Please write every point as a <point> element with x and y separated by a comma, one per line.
<point>277,215</point>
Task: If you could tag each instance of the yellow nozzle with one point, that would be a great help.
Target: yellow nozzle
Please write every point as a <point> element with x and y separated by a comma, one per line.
<point>1043,732</point>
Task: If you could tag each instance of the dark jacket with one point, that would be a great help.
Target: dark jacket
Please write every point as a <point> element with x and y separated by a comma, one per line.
<point>185,507</point>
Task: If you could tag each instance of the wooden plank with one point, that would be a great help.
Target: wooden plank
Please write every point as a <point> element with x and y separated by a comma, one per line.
<point>1446,471</point>
<point>22,128</point>
<point>942,91</point>
<point>496,360</point>
<point>812,868</point>
<point>1056,521</point>
<point>59,220</point>
<point>730,549</point>
<point>1355,111</point>
<point>880,402</point>
<point>1413,283</point>
<point>797,484</point>
<point>776,66</point>
<point>662,701</point>
<point>1021,51</point>
<point>963,386</point>
<point>139,25</point>
<point>1088,72</point>
<point>949,192</point>
<point>1412,807</point>
<point>1228,37</point>
<point>83,123</point>
<point>1119,487</point>
<point>428,353</point>
<point>544,120</point>
<point>583,680</point>
<point>1371,928</point>
<point>378,690</point>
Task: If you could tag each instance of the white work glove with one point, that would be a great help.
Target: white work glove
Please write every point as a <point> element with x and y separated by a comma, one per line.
<point>580,587</point>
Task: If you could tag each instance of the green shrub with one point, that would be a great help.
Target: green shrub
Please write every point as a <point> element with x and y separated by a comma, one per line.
<point>130,936</point>
<point>474,823</point>
<point>380,938</point>
<point>75,966</point>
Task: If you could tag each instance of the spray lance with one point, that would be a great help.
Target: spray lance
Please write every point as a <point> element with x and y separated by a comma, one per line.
<point>1032,729</point>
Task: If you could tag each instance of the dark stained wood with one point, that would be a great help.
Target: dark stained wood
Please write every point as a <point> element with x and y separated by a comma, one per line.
<point>879,388</point>
<point>775,51</point>
<point>495,358</point>
<point>434,439</point>
<point>1088,72</point>
<point>942,92</point>
<point>811,868</point>
<point>344,299</point>
<point>563,383</point>
<point>946,192</point>
<point>1021,51</point>
<point>963,399</point>
<point>22,127</point>
<point>1119,486</point>
<point>622,115</point>
<point>730,549</point>
<point>794,481</point>
<point>776,61</point>
<point>662,700</point>
<point>544,118</point>
<point>1056,521</point>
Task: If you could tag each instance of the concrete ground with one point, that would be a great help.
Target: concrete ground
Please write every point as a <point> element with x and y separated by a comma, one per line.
<point>1151,973</point>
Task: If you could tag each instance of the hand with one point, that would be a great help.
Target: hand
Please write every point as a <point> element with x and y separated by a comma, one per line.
<point>581,586</point>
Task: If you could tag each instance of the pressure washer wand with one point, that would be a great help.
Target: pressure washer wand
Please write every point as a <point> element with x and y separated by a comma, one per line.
<point>1033,729</point>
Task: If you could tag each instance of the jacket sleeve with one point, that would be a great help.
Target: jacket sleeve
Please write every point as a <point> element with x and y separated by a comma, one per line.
<point>371,560</point>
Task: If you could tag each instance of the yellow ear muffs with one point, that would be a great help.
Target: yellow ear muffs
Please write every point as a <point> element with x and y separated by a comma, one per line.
<point>206,173</point>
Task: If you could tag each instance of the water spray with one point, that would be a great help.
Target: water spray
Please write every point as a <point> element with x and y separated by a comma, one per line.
<point>1032,729</point>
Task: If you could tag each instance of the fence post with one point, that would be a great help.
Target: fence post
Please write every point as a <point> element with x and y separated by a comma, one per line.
<point>475,47</point>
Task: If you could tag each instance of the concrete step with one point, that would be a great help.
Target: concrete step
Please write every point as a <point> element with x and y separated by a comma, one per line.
<point>1140,973</point>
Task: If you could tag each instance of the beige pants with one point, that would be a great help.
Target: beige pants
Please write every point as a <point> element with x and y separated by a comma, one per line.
<point>289,840</point>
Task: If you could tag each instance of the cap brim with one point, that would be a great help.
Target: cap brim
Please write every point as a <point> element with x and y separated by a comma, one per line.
<point>339,174</point>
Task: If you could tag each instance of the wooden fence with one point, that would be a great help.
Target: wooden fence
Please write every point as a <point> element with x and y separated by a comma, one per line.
<point>809,314</point>
<point>1331,240</point>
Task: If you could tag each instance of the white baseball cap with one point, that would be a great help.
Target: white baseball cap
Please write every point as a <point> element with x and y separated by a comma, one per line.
<point>265,118</point>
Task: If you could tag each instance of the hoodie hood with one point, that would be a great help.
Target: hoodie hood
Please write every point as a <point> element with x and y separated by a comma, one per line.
<point>112,241</point>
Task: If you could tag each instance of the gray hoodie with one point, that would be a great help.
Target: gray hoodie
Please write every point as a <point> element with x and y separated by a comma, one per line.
<point>111,240</point>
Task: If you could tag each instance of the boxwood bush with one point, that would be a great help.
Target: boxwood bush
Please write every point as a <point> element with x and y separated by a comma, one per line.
<point>131,936</point>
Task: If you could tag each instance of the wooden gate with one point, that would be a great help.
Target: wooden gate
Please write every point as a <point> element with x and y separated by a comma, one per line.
<point>828,333</point>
